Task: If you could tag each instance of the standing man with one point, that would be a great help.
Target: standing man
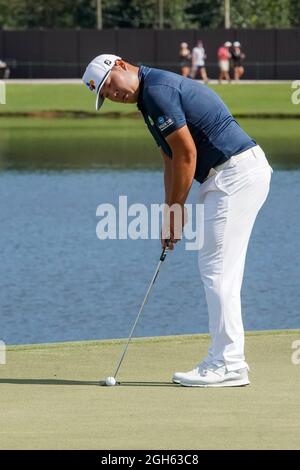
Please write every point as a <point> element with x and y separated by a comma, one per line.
<point>199,139</point>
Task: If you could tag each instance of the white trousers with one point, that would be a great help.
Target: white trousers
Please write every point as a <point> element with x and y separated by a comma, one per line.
<point>232,198</point>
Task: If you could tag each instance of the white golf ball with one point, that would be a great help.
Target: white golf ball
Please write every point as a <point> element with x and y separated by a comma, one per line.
<point>110,381</point>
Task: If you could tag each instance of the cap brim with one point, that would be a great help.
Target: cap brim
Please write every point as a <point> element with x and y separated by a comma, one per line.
<point>99,99</point>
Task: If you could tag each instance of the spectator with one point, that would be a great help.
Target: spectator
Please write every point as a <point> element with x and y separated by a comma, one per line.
<point>4,70</point>
<point>198,62</point>
<point>224,61</point>
<point>185,59</point>
<point>237,57</point>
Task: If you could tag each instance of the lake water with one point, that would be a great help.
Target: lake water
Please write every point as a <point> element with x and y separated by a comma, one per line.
<point>59,282</point>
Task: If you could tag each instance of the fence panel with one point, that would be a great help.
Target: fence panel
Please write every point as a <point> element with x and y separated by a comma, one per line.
<point>93,43</point>
<point>270,53</point>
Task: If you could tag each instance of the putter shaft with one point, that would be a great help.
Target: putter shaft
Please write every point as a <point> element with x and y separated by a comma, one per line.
<point>161,260</point>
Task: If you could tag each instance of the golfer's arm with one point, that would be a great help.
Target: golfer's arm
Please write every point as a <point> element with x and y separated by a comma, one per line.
<point>179,177</point>
<point>167,175</point>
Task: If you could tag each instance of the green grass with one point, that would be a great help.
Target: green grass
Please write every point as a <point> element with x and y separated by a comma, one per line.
<point>258,99</point>
<point>50,398</point>
<point>250,99</point>
<point>45,97</point>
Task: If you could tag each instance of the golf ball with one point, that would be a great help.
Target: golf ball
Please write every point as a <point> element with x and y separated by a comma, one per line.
<point>110,381</point>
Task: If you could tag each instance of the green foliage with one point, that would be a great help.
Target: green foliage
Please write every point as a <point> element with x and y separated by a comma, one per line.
<point>294,13</point>
<point>22,14</point>
<point>205,13</point>
<point>129,13</point>
<point>260,13</point>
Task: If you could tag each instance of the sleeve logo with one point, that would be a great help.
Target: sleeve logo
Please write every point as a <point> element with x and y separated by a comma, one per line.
<point>163,122</point>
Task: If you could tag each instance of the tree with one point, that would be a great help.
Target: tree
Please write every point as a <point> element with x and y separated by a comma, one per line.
<point>144,13</point>
<point>260,13</point>
<point>205,13</point>
<point>294,13</point>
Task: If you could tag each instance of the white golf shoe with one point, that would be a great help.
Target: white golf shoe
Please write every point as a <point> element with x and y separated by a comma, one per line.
<point>178,376</point>
<point>215,376</point>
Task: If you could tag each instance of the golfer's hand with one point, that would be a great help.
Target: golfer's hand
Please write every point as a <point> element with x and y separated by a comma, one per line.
<point>171,231</point>
<point>167,242</point>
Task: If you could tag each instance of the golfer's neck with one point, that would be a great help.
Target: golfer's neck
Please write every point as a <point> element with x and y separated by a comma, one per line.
<point>135,71</point>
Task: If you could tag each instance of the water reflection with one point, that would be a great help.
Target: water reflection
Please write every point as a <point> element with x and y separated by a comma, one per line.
<point>114,143</point>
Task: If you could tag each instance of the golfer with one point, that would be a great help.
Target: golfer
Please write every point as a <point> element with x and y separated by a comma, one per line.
<point>199,139</point>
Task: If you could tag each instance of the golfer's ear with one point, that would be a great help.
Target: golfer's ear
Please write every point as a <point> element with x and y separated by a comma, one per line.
<point>182,142</point>
<point>121,63</point>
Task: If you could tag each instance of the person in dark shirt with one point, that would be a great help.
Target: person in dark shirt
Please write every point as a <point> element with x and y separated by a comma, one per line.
<point>237,57</point>
<point>185,59</point>
<point>199,139</point>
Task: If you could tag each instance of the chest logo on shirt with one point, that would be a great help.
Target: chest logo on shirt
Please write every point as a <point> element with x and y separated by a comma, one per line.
<point>151,120</point>
<point>163,122</point>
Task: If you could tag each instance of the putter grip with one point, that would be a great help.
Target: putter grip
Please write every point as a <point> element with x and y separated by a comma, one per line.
<point>164,252</point>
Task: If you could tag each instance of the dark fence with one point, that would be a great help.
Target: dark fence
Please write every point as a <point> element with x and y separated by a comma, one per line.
<point>270,53</point>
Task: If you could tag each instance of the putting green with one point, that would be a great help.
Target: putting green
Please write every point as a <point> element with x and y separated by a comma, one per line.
<point>50,398</point>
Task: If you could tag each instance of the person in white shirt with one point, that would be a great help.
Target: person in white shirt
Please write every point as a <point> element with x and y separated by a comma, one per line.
<point>4,70</point>
<point>198,62</point>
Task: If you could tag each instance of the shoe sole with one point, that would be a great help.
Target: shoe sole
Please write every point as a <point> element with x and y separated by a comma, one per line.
<point>228,383</point>
<point>176,381</point>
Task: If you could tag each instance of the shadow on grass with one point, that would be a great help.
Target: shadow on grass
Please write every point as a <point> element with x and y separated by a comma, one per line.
<point>81,382</point>
<point>144,384</point>
<point>47,382</point>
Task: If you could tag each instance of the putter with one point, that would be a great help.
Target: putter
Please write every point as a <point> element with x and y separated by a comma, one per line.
<point>112,380</point>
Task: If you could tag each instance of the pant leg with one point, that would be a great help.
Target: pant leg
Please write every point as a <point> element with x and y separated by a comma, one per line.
<point>232,198</point>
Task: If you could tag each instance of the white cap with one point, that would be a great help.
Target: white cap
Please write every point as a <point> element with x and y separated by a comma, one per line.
<point>236,44</point>
<point>227,44</point>
<point>96,74</point>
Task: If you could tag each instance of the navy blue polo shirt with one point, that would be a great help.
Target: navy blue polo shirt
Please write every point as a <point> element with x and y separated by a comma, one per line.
<point>169,101</point>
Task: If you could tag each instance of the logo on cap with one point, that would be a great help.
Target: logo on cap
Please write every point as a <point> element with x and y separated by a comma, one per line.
<point>91,85</point>
<point>108,62</point>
